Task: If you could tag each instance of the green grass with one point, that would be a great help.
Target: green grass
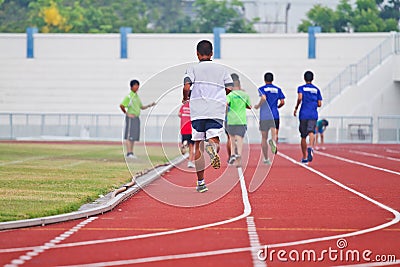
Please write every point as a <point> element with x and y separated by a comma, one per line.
<point>47,179</point>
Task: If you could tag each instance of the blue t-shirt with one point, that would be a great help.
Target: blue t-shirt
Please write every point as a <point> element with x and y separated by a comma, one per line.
<point>309,103</point>
<point>273,94</point>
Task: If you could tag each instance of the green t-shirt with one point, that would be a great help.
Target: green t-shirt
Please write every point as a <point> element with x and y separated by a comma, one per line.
<point>238,101</point>
<point>132,103</point>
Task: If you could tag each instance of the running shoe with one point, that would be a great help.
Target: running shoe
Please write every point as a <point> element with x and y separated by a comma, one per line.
<point>184,147</point>
<point>310,154</point>
<point>238,161</point>
<point>190,164</point>
<point>201,187</point>
<point>214,157</point>
<point>304,161</point>
<point>232,159</point>
<point>267,161</point>
<point>131,156</point>
<point>274,148</point>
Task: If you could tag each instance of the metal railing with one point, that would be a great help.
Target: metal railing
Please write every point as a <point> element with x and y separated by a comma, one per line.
<point>389,129</point>
<point>164,128</point>
<point>353,73</point>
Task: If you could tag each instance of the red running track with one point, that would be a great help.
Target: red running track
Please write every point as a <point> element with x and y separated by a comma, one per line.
<point>341,209</point>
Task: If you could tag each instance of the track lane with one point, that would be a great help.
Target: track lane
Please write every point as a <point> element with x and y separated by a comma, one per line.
<point>227,243</point>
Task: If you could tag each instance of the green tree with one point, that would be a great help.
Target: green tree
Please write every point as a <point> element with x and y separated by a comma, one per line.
<point>13,16</point>
<point>389,10</point>
<point>104,16</point>
<point>344,15</point>
<point>88,15</point>
<point>213,13</point>
<point>321,16</point>
<point>368,16</point>
<point>167,16</point>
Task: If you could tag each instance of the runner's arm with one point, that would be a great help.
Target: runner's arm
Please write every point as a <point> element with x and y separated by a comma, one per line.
<point>299,99</point>
<point>281,103</point>
<point>263,98</point>
<point>186,90</point>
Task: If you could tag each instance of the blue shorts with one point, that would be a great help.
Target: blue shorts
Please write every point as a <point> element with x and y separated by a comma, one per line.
<point>320,130</point>
<point>205,129</point>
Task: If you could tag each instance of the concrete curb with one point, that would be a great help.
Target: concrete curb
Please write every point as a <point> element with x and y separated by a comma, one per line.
<point>100,206</point>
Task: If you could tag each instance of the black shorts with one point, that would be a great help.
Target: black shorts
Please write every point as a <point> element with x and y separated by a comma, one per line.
<point>265,125</point>
<point>187,138</point>
<point>237,130</point>
<point>306,127</point>
<point>132,129</point>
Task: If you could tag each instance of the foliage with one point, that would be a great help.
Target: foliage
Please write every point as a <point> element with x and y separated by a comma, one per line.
<point>101,16</point>
<point>211,13</point>
<point>367,16</point>
<point>13,16</point>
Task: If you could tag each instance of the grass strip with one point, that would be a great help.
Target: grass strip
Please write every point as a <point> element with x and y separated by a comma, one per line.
<point>39,179</point>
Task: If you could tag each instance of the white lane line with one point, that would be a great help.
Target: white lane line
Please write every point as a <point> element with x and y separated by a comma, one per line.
<point>373,155</point>
<point>246,212</point>
<point>392,151</point>
<point>48,245</point>
<point>357,163</point>
<point>238,250</point>
<point>254,242</point>
<point>277,245</point>
<point>251,226</point>
<point>395,220</point>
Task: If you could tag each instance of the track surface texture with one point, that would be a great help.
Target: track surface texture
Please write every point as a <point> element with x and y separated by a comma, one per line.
<point>339,210</point>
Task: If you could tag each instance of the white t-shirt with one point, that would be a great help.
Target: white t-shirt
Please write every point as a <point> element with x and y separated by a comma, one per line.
<point>208,96</point>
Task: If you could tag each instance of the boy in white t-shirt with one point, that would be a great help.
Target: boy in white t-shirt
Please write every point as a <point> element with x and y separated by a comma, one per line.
<point>209,84</point>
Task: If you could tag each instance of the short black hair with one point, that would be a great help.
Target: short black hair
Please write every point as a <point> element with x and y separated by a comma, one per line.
<point>235,77</point>
<point>268,77</point>
<point>204,48</point>
<point>134,82</point>
<point>308,76</point>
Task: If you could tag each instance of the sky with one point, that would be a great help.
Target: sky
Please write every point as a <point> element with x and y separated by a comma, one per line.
<point>274,10</point>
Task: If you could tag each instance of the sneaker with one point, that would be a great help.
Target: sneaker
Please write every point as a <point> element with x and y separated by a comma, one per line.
<point>131,156</point>
<point>214,157</point>
<point>304,161</point>
<point>232,159</point>
<point>273,146</point>
<point>201,187</point>
<point>267,161</point>
<point>190,164</point>
<point>184,147</point>
<point>310,154</point>
<point>238,161</point>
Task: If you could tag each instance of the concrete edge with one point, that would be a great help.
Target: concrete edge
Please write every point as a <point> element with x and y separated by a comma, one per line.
<point>141,182</point>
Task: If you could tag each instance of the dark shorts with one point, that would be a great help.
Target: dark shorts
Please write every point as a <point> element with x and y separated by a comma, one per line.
<point>306,127</point>
<point>132,129</point>
<point>205,129</point>
<point>187,138</point>
<point>237,130</point>
<point>265,125</point>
